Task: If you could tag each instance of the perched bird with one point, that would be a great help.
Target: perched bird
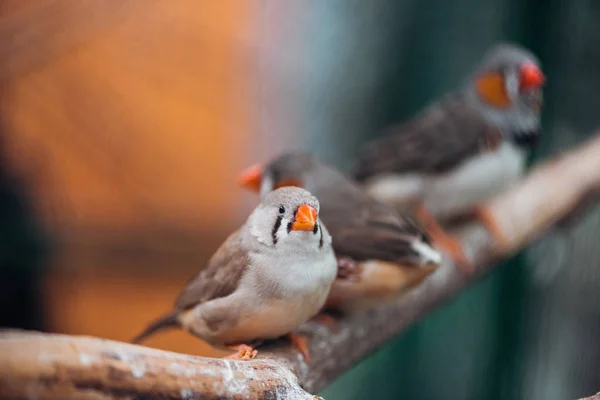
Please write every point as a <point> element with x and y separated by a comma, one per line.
<point>266,279</point>
<point>379,253</point>
<point>462,149</point>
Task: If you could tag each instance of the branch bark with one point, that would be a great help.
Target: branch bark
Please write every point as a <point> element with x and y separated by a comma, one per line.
<point>593,397</point>
<point>57,366</point>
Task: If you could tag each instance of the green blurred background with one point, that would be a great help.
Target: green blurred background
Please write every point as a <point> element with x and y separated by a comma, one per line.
<point>530,329</point>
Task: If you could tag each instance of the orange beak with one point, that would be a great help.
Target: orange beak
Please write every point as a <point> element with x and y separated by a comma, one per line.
<point>305,219</point>
<point>531,76</point>
<point>251,178</point>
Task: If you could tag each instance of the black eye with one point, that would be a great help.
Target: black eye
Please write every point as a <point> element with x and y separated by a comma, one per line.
<point>281,209</point>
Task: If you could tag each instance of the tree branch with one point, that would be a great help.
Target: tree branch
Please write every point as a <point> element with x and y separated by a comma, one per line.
<point>592,397</point>
<point>41,366</point>
<point>56,366</point>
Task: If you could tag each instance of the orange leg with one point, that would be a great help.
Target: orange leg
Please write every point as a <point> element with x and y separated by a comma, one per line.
<point>488,220</point>
<point>244,352</point>
<point>442,239</point>
<point>301,343</point>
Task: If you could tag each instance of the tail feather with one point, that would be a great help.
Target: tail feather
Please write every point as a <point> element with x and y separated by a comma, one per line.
<point>427,254</point>
<point>167,321</point>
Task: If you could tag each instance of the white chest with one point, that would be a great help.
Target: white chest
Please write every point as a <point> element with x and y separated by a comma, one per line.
<point>283,292</point>
<point>456,191</point>
<point>293,274</point>
<point>474,181</point>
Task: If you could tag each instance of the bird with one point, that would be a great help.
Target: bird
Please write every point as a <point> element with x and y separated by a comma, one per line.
<point>267,278</point>
<point>380,253</point>
<point>461,150</point>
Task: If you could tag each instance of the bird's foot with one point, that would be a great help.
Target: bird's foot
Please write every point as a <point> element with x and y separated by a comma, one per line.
<point>348,269</point>
<point>244,352</point>
<point>443,240</point>
<point>301,343</point>
<point>490,223</point>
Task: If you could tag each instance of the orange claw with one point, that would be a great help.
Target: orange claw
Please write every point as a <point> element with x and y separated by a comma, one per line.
<point>244,352</point>
<point>442,240</point>
<point>301,343</point>
<point>489,221</point>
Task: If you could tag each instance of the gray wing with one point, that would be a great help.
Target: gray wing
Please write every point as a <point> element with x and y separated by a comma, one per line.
<point>364,229</point>
<point>219,278</point>
<point>361,227</point>
<point>435,141</point>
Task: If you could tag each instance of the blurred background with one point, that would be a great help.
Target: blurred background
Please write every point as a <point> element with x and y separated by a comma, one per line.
<point>124,124</point>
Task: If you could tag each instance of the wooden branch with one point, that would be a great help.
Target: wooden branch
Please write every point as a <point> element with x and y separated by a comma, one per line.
<point>593,397</point>
<point>41,366</point>
<point>54,366</point>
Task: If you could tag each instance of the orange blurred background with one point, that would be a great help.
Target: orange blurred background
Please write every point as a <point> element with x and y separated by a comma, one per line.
<point>117,115</point>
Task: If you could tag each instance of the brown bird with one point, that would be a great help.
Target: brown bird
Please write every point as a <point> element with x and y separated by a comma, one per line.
<point>379,253</point>
<point>266,279</point>
<point>463,149</point>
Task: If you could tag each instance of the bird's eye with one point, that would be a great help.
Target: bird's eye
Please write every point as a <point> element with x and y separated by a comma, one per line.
<point>281,209</point>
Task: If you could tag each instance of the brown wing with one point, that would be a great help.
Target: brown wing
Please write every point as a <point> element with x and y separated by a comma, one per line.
<point>435,141</point>
<point>361,227</point>
<point>219,278</point>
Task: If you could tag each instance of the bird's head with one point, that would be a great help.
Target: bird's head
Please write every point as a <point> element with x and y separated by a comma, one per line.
<point>509,76</point>
<point>290,169</point>
<point>507,86</point>
<point>285,216</point>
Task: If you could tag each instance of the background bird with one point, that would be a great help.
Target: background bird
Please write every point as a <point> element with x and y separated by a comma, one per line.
<point>462,149</point>
<point>379,253</point>
<point>266,279</point>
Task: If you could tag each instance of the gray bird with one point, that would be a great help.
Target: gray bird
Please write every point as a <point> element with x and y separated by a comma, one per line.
<point>462,149</point>
<point>380,253</point>
<point>266,279</point>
